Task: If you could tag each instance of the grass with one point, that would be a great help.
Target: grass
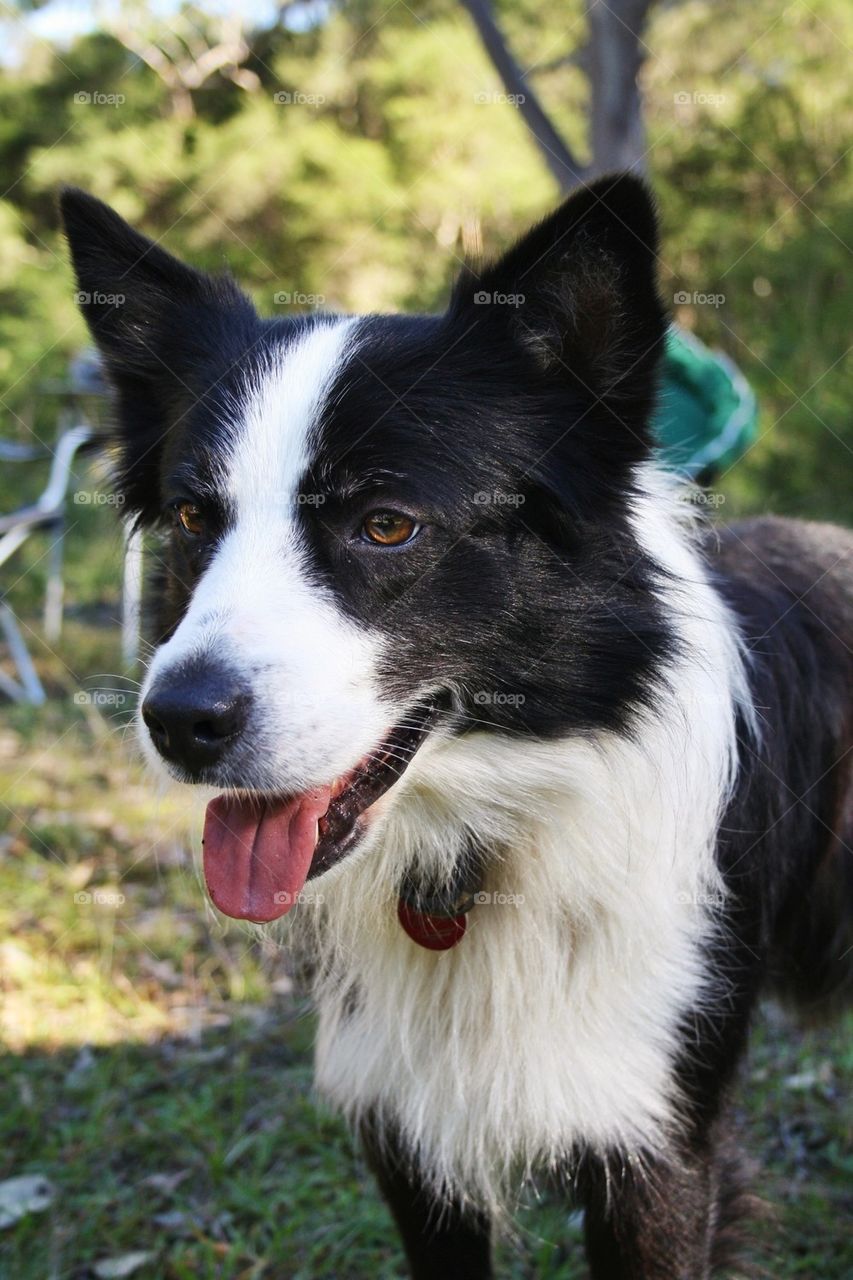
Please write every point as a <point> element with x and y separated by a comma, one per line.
<point>157,1062</point>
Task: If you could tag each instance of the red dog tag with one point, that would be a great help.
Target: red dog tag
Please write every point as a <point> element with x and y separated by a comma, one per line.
<point>436,933</point>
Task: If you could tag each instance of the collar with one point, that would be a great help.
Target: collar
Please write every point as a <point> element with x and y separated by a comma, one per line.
<point>436,916</point>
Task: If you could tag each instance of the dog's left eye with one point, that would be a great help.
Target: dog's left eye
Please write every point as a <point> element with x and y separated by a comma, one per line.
<point>389,528</point>
<point>190,519</point>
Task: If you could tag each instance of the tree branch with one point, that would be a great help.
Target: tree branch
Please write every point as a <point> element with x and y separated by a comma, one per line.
<point>611,60</point>
<point>556,154</point>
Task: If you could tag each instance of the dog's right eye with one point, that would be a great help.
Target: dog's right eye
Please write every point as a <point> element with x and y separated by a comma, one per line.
<point>190,518</point>
<point>389,528</point>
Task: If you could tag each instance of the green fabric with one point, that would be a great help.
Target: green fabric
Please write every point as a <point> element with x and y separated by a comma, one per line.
<point>707,415</point>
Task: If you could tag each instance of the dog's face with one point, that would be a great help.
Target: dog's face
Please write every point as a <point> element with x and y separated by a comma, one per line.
<point>378,529</point>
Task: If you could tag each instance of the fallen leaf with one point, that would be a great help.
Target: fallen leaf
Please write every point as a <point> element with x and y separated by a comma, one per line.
<point>174,1220</point>
<point>31,1193</point>
<point>78,1074</point>
<point>808,1079</point>
<point>165,1182</point>
<point>123,1265</point>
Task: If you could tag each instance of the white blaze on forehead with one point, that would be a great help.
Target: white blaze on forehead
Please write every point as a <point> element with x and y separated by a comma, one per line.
<point>279,429</point>
<point>258,607</point>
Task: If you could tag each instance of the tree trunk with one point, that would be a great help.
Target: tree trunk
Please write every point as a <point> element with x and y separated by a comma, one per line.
<point>614,58</point>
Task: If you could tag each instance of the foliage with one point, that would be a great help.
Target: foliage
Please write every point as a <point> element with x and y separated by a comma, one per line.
<point>395,149</point>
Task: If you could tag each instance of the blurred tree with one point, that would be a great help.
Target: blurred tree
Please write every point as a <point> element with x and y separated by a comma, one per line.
<point>186,52</point>
<point>611,59</point>
<point>371,140</point>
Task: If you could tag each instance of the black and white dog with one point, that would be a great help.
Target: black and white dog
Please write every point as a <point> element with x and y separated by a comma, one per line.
<point>558,780</point>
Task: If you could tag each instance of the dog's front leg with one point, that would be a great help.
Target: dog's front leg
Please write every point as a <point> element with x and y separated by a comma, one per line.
<point>442,1241</point>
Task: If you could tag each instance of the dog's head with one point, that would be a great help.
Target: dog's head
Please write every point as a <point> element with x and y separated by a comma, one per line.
<point>378,530</point>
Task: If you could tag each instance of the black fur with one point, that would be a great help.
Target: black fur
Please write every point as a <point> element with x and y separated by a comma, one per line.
<point>541,401</point>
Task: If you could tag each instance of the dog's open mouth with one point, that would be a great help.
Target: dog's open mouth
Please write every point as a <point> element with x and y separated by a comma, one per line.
<point>259,849</point>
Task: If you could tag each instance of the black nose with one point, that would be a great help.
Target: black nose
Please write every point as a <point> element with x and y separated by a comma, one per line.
<point>195,715</point>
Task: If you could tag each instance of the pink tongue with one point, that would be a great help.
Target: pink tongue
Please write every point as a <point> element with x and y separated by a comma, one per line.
<point>257,855</point>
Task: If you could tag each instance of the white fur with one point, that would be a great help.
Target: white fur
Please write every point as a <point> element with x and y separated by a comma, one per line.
<point>556,1019</point>
<point>257,608</point>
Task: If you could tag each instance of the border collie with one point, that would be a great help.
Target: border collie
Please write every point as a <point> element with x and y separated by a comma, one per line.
<point>557,779</point>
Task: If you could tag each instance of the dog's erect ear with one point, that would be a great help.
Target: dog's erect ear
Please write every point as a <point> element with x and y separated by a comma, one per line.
<point>161,328</point>
<point>579,293</point>
<point>138,301</point>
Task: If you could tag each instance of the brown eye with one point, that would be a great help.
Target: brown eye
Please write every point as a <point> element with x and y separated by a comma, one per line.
<point>389,528</point>
<point>190,518</point>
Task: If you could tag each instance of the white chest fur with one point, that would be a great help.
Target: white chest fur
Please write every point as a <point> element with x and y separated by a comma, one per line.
<point>555,1019</point>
